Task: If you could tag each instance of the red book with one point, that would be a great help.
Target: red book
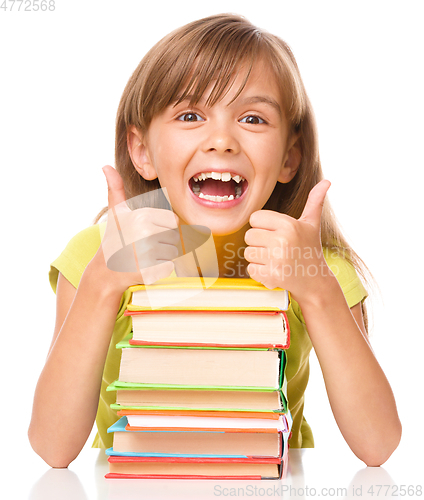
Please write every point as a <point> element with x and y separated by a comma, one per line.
<point>210,328</point>
<point>195,468</point>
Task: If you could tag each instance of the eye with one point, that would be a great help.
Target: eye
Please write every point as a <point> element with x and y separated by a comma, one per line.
<point>252,120</point>
<point>190,117</point>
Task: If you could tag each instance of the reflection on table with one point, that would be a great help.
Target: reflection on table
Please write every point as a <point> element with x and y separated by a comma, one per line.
<point>308,476</point>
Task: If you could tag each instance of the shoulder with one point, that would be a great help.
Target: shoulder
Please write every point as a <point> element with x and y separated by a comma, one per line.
<point>87,239</point>
<point>80,249</point>
<point>346,275</point>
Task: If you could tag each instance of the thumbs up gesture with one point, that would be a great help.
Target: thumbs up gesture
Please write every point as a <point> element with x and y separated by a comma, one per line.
<point>139,244</point>
<point>286,252</point>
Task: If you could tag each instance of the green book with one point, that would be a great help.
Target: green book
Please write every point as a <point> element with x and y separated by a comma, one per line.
<point>202,368</point>
<point>131,396</point>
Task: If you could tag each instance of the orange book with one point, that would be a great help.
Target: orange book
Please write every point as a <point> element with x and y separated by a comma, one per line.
<point>200,437</point>
<point>210,423</point>
<point>198,328</point>
<point>195,413</point>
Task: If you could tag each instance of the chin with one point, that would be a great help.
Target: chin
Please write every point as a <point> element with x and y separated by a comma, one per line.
<point>220,230</point>
<point>218,223</point>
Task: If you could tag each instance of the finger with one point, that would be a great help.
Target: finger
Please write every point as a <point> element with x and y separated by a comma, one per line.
<point>257,255</point>
<point>163,219</point>
<point>313,208</point>
<point>256,237</point>
<point>148,253</point>
<point>149,225</point>
<point>115,186</point>
<point>169,237</point>
<point>157,272</point>
<point>167,252</point>
<point>258,272</point>
<point>267,219</point>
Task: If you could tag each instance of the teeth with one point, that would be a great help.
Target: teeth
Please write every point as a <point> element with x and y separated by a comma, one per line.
<point>216,198</point>
<point>219,176</point>
<point>222,176</point>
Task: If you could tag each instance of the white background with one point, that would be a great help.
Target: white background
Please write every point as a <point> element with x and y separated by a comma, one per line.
<point>62,75</point>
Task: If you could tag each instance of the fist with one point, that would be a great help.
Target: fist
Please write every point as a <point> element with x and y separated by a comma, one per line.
<point>142,241</point>
<point>282,250</point>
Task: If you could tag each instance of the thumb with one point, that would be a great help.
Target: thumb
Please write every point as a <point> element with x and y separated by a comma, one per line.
<point>313,208</point>
<point>115,186</point>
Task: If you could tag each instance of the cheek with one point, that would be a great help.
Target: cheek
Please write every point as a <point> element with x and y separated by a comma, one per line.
<point>269,153</point>
<point>172,150</point>
<point>268,169</point>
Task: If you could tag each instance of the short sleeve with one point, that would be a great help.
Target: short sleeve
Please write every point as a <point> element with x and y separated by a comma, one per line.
<point>76,255</point>
<point>349,281</point>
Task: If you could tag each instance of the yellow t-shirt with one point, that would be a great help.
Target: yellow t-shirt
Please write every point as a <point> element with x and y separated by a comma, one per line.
<point>81,249</point>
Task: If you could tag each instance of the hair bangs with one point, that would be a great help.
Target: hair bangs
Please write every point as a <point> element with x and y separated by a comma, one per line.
<point>219,64</point>
<point>205,57</point>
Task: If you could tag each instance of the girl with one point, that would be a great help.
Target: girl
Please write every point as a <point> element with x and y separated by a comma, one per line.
<point>216,113</point>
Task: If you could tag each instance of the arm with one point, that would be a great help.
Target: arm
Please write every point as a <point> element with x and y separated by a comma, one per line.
<point>67,393</point>
<point>359,393</point>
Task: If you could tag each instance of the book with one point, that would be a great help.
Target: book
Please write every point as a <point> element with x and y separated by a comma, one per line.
<point>196,413</point>
<point>171,399</point>
<point>209,369</point>
<point>219,424</point>
<point>208,294</point>
<point>194,468</point>
<point>197,437</point>
<point>201,391</point>
<point>260,329</point>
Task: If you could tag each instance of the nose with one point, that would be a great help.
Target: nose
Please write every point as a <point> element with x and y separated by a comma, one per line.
<point>221,139</point>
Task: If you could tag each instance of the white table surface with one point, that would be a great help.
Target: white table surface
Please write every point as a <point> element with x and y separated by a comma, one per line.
<point>332,472</point>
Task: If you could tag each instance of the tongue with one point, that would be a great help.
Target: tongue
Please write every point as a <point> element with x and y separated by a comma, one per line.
<point>217,188</point>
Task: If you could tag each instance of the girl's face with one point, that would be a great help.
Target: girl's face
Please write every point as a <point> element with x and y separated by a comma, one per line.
<point>220,164</point>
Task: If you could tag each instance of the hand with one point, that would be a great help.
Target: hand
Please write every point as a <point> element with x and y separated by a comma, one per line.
<point>286,252</point>
<point>139,244</point>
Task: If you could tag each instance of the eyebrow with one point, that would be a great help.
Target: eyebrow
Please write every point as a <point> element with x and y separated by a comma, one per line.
<point>262,99</point>
<point>247,100</point>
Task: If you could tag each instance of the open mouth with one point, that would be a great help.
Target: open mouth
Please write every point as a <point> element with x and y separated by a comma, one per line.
<point>218,186</point>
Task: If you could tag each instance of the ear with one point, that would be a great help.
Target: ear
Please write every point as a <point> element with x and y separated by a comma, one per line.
<point>139,154</point>
<point>291,161</point>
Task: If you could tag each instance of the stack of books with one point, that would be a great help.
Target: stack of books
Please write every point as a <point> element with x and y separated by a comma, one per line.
<point>202,390</point>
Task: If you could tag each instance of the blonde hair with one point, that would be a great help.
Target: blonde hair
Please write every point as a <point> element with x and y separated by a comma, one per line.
<point>216,49</point>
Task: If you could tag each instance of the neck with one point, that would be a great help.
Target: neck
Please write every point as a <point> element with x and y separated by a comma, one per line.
<point>225,250</point>
<point>230,252</point>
